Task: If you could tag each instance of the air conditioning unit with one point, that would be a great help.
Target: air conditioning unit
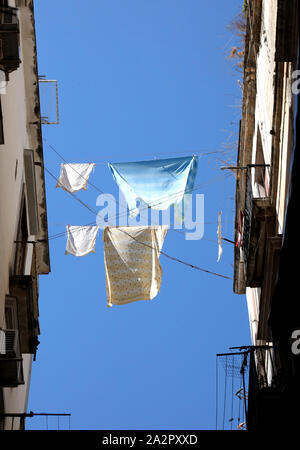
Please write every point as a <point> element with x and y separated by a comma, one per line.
<point>9,39</point>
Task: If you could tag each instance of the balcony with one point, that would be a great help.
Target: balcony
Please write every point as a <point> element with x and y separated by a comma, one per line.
<point>249,389</point>
<point>24,288</point>
<point>258,222</point>
<point>11,367</point>
<point>271,395</point>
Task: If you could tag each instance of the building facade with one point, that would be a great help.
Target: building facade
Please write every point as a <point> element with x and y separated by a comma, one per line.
<point>265,203</point>
<point>24,249</point>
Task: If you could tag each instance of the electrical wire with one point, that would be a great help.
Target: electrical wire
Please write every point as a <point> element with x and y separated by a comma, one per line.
<point>78,173</point>
<point>197,152</point>
<point>152,204</point>
<point>193,266</point>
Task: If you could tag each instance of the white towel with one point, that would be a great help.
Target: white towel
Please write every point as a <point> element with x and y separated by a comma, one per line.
<point>74,177</point>
<point>81,240</point>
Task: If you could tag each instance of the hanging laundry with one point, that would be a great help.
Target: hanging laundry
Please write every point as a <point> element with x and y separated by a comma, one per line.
<point>240,230</point>
<point>132,268</point>
<point>74,177</point>
<point>81,240</point>
<point>159,183</point>
<point>220,251</point>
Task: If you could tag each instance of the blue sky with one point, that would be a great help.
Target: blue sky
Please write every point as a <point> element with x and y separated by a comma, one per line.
<point>137,79</point>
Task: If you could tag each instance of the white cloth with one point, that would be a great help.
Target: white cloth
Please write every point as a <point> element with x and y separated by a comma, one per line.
<point>220,251</point>
<point>132,267</point>
<point>74,177</point>
<point>81,240</point>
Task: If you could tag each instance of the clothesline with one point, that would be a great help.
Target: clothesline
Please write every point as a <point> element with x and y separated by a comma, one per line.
<point>131,210</point>
<point>141,209</point>
<point>154,204</point>
<point>128,194</point>
<point>81,227</point>
<point>142,243</point>
<point>88,181</point>
<point>200,153</point>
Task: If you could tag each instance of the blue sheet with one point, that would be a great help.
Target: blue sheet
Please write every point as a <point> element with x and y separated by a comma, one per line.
<point>160,183</point>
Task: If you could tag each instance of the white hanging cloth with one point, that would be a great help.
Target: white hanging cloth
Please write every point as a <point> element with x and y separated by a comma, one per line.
<point>220,251</point>
<point>81,240</point>
<point>74,177</point>
<point>132,268</point>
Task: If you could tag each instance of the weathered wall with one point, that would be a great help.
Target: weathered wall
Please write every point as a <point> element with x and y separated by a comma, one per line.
<point>274,120</point>
<point>22,130</point>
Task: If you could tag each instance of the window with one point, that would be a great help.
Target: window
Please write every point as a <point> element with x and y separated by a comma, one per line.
<point>11,313</point>
<point>21,240</point>
<point>11,367</point>
<point>9,37</point>
<point>31,195</point>
<point>7,13</point>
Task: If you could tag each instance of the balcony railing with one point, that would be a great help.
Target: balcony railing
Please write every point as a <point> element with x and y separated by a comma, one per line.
<point>15,421</point>
<point>253,371</point>
<point>258,220</point>
<point>11,366</point>
<point>266,384</point>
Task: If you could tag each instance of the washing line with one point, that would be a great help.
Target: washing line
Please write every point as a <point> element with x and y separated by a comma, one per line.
<point>145,208</point>
<point>99,190</point>
<point>198,152</point>
<point>141,209</point>
<point>150,204</point>
<point>147,245</point>
<point>81,227</point>
<point>88,181</point>
<point>162,199</point>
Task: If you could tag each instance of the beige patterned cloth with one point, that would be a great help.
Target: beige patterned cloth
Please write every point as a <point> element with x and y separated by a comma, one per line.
<point>132,268</point>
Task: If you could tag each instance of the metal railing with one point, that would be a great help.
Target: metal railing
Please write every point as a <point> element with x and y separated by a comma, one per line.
<point>264,369</point>
<point>49,101</point>
<point>17,421</point>
<point>257,189</point>
<point>253,370</point>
